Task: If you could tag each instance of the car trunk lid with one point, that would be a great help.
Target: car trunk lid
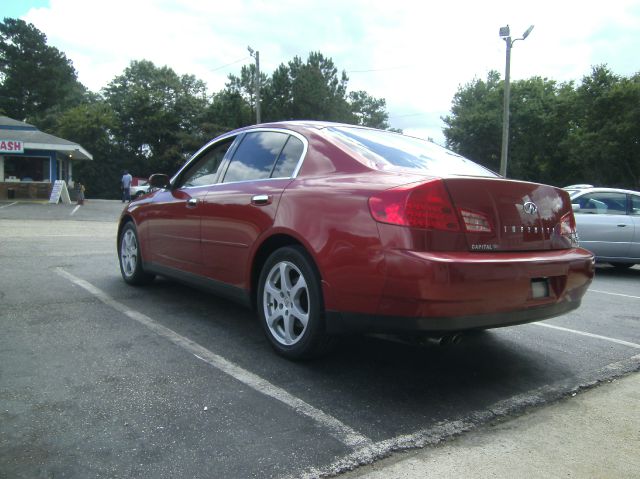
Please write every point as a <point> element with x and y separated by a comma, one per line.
<point>508,215</point>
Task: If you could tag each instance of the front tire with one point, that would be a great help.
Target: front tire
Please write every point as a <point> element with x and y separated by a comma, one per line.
<point>130,258</point>
<point>290,305</point>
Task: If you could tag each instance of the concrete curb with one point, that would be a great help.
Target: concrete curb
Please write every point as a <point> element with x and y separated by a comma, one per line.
<point>592,434</point>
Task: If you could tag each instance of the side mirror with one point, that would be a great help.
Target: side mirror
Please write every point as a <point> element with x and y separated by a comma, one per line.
<point>575,207</point>
<point>159,180</point>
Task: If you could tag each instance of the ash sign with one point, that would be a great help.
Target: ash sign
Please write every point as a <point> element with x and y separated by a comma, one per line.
<point>11,146</point>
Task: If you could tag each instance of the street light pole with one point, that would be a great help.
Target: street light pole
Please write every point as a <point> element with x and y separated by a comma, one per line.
<point>256,55</point>
<point>505,111</point>
<point>506,35</point>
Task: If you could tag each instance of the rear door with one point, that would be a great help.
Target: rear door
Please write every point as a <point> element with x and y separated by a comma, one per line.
<point>237,211</point>
<point>603,225</point>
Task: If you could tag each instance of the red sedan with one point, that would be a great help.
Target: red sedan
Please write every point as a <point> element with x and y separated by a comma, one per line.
<point>328,229</point>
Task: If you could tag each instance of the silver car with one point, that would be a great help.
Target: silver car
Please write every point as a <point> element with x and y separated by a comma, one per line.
<point>608,223</point>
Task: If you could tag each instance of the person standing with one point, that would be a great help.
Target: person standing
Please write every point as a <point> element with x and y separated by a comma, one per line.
<point>126,186</point>
<point>80,193</point>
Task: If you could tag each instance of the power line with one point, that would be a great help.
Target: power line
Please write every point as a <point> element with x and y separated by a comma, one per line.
<point>378,69</point>
<point>408,114</point>
<point>229,64</point>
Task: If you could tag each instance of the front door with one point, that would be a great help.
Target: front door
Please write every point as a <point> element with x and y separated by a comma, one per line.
<point>174,219</point>
<point>174,228</point>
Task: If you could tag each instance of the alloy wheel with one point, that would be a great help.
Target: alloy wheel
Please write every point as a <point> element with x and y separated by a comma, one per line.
<point>286,303</point>
<point>129,253</point>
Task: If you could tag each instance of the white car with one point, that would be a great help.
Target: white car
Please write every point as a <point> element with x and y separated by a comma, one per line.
<point>608,223</point>
<point>140,189</point>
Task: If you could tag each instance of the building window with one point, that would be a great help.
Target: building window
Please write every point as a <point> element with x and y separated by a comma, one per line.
<point>26,168</point>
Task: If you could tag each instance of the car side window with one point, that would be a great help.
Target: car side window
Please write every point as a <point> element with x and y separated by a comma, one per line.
<point>256,155</point>
<point>602,204</point>
<point>204,170</point>
<point>289,158</point>
<point>635,205</point>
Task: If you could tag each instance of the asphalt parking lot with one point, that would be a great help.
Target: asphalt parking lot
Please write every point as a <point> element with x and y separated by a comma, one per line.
<point>100,379</point>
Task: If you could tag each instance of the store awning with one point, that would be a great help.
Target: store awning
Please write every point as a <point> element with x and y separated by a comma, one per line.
<point>34,139</point>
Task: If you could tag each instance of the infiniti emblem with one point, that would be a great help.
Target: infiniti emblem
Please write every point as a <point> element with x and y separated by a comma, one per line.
<point>530,208</point>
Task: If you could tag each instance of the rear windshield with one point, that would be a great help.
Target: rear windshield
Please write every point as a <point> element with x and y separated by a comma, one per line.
<point>388,151</point>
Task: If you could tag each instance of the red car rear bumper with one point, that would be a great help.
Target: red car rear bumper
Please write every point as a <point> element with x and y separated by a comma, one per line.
<point>457,291</point>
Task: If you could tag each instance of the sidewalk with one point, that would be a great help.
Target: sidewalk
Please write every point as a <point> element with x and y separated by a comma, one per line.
<point>595,434</point>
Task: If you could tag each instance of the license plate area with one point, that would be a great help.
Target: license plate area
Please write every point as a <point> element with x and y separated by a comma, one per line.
<point>540,288</point>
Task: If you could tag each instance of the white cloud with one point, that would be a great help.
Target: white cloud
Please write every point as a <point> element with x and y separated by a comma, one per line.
<point>423,51</point>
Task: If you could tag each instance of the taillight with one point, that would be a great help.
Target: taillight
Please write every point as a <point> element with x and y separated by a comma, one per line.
<point>568,228</point>
<point>422,205</point>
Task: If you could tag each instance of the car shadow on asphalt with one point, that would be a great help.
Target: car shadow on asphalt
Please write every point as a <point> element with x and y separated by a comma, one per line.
<point>472,350</point>
<point>382,376</point>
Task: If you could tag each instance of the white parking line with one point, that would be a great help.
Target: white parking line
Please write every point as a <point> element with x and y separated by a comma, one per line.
<point>590,335</point>
<point>614,294</point>
<point>74,210</point>
<point>10,204</point>
<point>337,429</point>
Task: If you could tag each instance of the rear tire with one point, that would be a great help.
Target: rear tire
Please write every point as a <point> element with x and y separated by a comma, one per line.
<point>130,258</point>
<point>290,305</point>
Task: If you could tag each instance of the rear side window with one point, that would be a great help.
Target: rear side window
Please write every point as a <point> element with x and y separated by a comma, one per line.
<point>256,156</point>
<point>602,203</point>
<point>288,159</point>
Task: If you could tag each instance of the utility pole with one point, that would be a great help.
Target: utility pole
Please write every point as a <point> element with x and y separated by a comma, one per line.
<point>256,55</point>
<point>506,36</point>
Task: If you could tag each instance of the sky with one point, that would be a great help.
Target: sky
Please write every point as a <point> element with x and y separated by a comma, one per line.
<point>414,54</point>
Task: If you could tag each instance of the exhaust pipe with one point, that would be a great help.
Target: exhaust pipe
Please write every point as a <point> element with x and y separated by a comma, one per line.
<point>446,340</point>
<point>419,340</point>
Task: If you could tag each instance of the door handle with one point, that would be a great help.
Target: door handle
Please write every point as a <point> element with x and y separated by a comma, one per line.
<point>192,202</point>
<point>621,226</point>
<point>260,200</point>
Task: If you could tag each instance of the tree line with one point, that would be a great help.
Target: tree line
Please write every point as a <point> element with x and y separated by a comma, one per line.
<point>560,133</point>
<point>150,119</point>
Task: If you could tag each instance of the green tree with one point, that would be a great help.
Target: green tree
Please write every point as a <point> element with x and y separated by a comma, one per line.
<point>368,111</point>
<point>297,90</point>
<point>278,96</point>
<point>234,106</point>
<point>539,125</point>
<point>559,133</point>
<point>158,116</point>
<point>244,88</point>
<point>35,78</point>
<point>310,90</point>
<point>604,141</point>
<point>92,125</point>
<point>540,119</point>
<point>474,127</point>
<point>229,110</point>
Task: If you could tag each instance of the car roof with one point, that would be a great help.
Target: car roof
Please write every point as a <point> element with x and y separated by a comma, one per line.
<point>302,124</point>
<point>603,190</point>
<point>577,187</point>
